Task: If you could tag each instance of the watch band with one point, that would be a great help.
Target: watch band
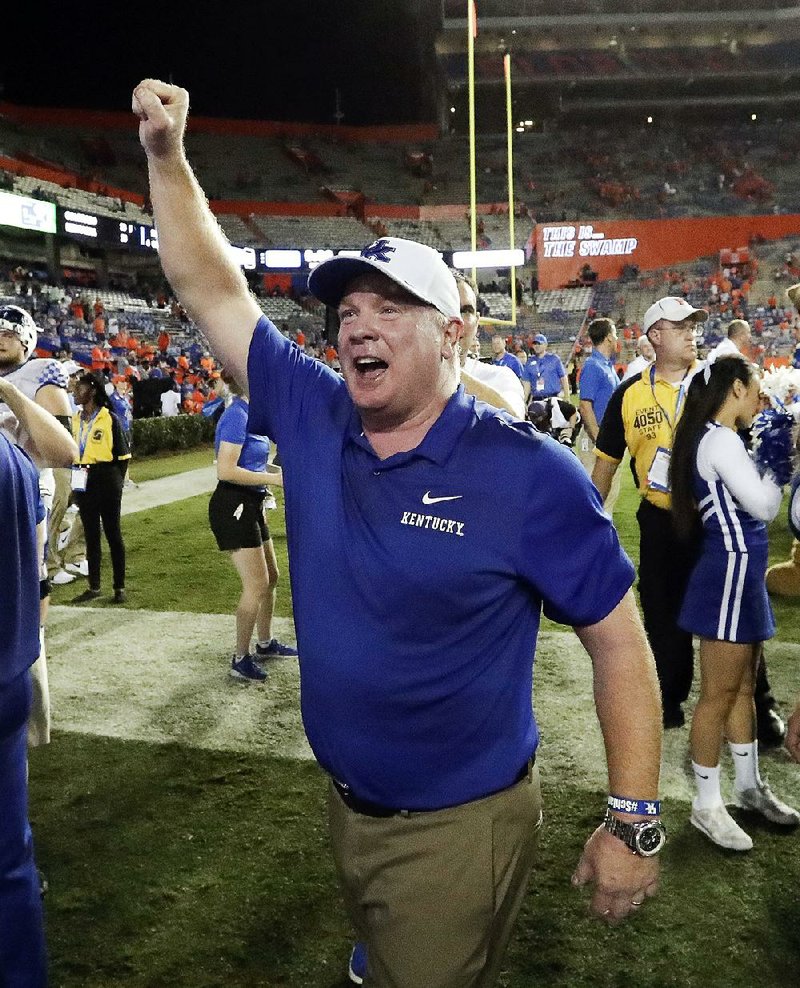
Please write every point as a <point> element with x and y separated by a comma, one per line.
<point>645,837</point>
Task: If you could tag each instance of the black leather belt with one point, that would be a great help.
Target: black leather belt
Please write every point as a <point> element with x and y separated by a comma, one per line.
<point>366,808</point>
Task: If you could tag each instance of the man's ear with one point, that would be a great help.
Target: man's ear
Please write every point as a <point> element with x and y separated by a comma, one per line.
<point>453,331</point>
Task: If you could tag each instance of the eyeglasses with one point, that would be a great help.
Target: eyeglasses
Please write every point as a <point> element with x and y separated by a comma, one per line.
<point>692,329</point>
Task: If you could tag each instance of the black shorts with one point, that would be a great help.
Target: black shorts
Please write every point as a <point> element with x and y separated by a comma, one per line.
<point>236,515</point>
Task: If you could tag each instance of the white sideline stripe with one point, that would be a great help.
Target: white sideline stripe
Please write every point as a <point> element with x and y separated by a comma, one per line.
<point>167,490</point>
<point>163,677</point>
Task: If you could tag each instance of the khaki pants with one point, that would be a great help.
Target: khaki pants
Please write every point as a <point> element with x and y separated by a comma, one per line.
<point>584,447</point>
<point>435,895</point>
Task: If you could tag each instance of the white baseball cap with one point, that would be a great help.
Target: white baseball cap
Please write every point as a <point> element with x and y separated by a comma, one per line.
<point>416,267</point>
<point>672,309</point>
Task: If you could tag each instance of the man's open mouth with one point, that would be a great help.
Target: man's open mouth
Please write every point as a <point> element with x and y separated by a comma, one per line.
<point>369,367</point>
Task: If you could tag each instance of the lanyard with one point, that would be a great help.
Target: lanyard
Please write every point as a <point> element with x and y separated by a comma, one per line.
<point>83,435</point>
<point>678,403</point>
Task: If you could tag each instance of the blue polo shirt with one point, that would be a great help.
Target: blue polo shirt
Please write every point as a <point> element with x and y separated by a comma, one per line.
<point>21,509</point>
<point>544,375</point>
<point>416,600</point>
<point>598,382</point>
<point>510,361</point>
<point>232,428</point>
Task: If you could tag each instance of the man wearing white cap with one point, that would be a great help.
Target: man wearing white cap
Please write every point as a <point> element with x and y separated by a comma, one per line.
<point>641,416</point>
<point>416,699</point>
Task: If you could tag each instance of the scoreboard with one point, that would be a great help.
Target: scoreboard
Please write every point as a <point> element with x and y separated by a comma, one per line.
<point>105,231</point>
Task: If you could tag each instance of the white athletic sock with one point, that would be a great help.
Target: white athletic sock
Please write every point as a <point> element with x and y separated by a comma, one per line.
<point>745,762</point>
<point>707,781</point>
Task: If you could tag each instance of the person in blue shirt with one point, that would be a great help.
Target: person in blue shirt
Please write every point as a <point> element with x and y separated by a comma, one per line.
<point>417,603</point>
<point>543,376</point>
<point>237,517</point>
<point>23,961</point>
<point>598,381</point>
<point>502,358</point>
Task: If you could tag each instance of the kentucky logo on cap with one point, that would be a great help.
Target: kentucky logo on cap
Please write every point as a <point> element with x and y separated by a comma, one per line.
<point>379,251</point>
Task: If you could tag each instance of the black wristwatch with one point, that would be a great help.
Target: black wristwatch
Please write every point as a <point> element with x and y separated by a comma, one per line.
<point>645,838</point>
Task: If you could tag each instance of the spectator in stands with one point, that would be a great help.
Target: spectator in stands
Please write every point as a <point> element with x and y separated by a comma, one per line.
<point>502,358</point>
<point>598,382</point>
<point>163,342</point>
<point>237,518</point>
<point>544,375</point>
<point>171,402</point>
<point>645,354</point>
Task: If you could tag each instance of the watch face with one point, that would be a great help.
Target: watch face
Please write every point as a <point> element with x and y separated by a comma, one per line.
<point>650,840</point>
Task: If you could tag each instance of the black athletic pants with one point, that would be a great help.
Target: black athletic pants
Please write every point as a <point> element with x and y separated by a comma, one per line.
<point>665,564</point>
<point>102,502</point>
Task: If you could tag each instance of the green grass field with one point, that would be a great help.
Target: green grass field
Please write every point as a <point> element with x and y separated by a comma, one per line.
<point>175,864</point>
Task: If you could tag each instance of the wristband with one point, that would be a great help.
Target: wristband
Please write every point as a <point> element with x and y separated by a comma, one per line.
<point>642,807</point>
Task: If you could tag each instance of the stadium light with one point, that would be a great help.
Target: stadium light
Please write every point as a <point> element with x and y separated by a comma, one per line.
<point>754,116</point>
<point>649,119</point>
<point>464,259</point>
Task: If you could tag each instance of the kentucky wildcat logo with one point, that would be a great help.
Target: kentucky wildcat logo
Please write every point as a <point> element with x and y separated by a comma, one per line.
<point>379,251</point>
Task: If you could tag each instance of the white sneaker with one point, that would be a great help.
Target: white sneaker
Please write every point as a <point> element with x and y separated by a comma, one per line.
<point>720,827</point>
<point>80,569</point>
<point>763,800</point>
<point>62,577</point>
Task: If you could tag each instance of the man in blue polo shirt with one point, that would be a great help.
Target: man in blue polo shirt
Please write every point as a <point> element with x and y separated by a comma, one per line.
<point>543,376</point>
<point>502,358</point>
<point>416,697</point>
<point>598,382</point>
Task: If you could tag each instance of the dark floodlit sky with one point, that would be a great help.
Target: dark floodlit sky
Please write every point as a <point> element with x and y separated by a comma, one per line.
<point>265,59</point>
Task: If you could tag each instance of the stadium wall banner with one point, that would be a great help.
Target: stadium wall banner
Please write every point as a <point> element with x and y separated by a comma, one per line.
<point>608,246</point>
<point>124,120</point>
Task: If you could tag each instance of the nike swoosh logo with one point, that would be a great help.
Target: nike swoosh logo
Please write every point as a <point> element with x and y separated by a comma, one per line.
<point>700,776</point>
<point>427,499</point>
<point>742,754</point>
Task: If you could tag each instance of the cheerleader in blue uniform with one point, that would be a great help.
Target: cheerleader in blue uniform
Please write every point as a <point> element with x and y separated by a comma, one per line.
<point>726,602</point>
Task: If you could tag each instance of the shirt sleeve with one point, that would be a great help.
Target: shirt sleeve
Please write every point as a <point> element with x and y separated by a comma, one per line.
<point>588,382</point>
<point>287,388</point>
<point>610,443</point>
<point>232,426</point>
<point>722,454</point>
<point>572,552</point>
<point>120,449</point>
